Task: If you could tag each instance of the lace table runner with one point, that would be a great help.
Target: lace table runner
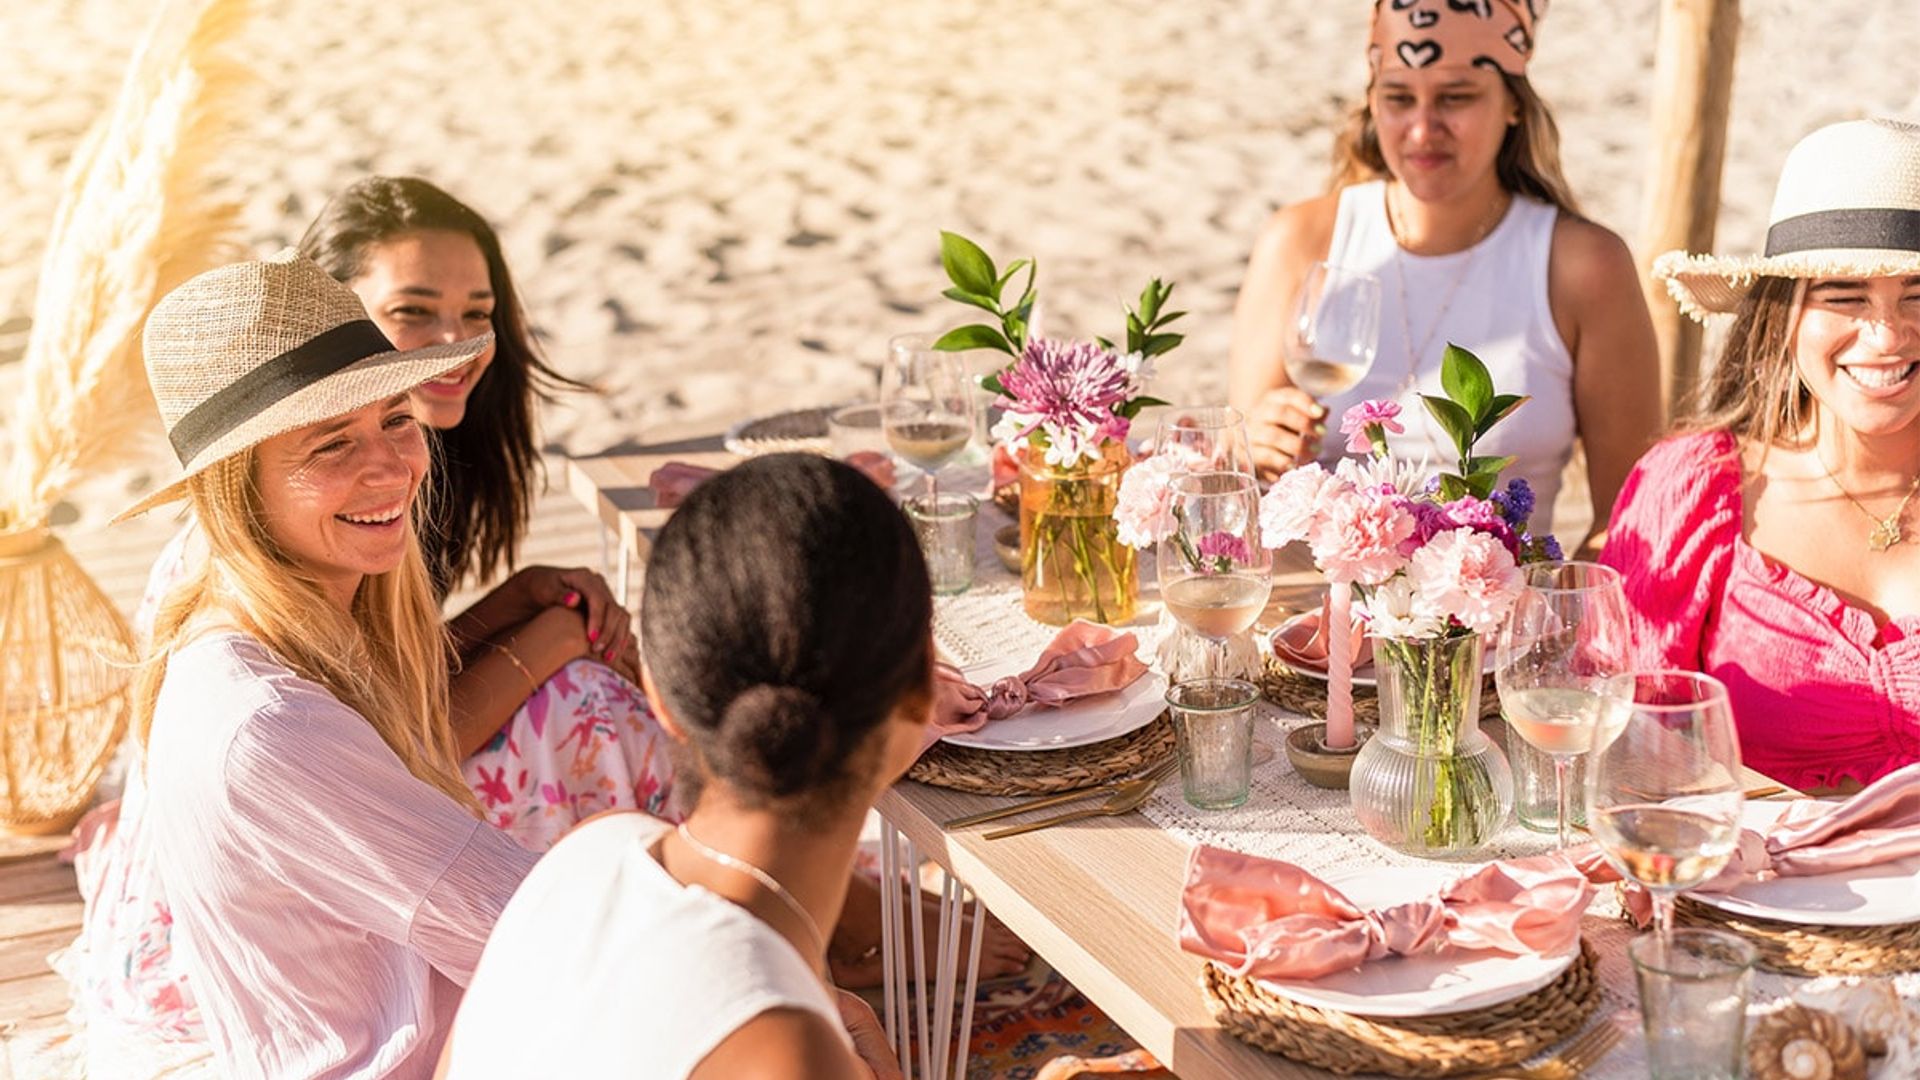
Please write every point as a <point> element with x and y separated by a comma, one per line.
<point>1287,818</point>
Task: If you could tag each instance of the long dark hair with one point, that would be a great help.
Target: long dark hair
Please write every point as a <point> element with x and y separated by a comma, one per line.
<point>485,467</point>
<point>1528,162</point>
<point>787,615</point>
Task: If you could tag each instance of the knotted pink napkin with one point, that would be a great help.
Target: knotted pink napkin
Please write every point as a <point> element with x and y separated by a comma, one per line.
<point>1271,919</point>
<point>1082,660</point>
<point>1303,641</point>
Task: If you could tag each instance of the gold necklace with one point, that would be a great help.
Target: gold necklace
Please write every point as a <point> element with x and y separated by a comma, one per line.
<point>1887,530</point>
<point>1453,287</point>
<point>767,881</point>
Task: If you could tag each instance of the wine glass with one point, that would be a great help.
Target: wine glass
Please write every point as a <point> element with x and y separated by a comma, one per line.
<point>1214,575</point>
<point>1210,438</point>
<point>1663,785</point>
<point>926,405</point>
<point>1567,638</point>
<point>1335,332</point>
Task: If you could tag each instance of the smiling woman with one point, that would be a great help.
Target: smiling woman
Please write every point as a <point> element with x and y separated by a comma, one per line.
<point>1775,543</point>
<point>1447,189</point>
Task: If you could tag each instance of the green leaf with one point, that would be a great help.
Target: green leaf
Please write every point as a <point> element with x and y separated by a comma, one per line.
<point>1453,420</point>
<point>1155,344</point>
<point>1452,487</point>
<point>984,303</point>
<point>991,383</point>
<point>1132,408</point>
<point>1150,298</point>
<point>975,336</point>
<point>1165,319</point>
<point>967,265</point>
<point>1007,275</point>
<point>1499,409</point>
<point>1488,466</point>
<point>1467,382</point>
<point>1134,328</point>
<point>1103,343</point>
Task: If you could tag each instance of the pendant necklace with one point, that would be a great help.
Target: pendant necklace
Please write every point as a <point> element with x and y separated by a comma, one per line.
<point>1887,531</point>
<point>1446,302</point>
<point>767,881</point>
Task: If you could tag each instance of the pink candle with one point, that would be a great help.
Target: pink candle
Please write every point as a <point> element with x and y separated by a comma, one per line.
<point>1339,666</point>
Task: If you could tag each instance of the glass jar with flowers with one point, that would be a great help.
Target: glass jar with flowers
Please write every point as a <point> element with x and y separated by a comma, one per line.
<point>1067,408</point>
<point>1434,565</point>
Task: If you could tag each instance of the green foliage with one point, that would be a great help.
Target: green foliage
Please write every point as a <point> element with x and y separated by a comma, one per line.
<point>977,284</point>
<point>1469,410</point>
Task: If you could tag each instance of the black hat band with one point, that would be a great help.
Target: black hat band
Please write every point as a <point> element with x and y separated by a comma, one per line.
<point>273,381</point>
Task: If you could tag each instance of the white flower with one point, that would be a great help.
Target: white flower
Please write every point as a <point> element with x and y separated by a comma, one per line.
<point>1371,474</point>
<point>1397,610</point>
<point>1291,507</point>
<point>1468,575</point>
<point>1139,369</point>
<point>1011,429</point>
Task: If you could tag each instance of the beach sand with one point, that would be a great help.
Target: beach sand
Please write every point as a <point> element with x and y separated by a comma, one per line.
<point>719,208</point>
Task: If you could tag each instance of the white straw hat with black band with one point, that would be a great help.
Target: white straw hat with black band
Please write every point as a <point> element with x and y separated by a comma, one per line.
<point>1848,205</point>
<point>245,352</point>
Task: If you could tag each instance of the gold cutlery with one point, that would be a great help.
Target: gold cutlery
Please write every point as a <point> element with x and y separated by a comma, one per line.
<point>983,816</point>
<point>1581,1054</point>
<point>1123,798</point>
<point>1764,792</point>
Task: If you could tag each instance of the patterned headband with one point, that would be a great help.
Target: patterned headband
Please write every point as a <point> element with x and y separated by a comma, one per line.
<point>1445,33</point>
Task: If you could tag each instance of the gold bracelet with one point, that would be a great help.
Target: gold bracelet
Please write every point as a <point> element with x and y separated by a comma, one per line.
<point>532,686</point>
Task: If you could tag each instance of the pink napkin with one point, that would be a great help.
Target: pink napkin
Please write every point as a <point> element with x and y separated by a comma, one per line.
<point>1303,641</point>
<point>674,481</point>
<point>1082,660</point>
<point>1272,919</point>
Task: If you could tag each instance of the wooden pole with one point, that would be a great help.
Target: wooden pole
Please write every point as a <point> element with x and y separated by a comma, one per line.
<point>1693,90</point>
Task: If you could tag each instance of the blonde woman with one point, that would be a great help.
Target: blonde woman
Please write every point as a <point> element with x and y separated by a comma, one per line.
<point>1447,188</point>
<point>1775,541</point>
<point>330,877</point>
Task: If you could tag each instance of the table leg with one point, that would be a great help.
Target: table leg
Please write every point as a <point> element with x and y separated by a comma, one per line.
<point>909,1022</point>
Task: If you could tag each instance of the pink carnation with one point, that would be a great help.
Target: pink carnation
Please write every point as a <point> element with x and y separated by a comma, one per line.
<point>1291,506</point>
<point>1361,537</point>
<point>1356,420</point>
<point>1467,575</point>
<point>1143,509</point>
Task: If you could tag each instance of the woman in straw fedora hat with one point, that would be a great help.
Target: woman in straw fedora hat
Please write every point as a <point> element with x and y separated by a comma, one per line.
<point>1447,188</point>
<point>329,874</point>
<point>1775,542</point>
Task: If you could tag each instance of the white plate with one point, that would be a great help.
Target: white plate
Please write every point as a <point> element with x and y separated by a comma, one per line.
<point>1427,985</point>
<point>1885,895</point>
<point>1077,723</point>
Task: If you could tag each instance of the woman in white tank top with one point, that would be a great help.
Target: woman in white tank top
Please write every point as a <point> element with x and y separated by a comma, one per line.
<point>1448,190</point>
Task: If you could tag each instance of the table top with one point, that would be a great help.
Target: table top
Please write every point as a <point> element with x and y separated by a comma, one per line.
<point>1098,899</point>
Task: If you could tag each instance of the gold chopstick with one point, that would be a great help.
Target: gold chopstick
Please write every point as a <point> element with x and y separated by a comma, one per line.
<point>1021,808</point>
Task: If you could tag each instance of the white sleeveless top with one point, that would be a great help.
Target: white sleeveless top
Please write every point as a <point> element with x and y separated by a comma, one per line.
<point>603,964</point>
<point>1498,310</point>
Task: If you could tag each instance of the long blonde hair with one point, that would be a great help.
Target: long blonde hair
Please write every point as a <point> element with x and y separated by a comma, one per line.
<point>386,659</point>
<point>1755,391</point>
<point>1528,162</point>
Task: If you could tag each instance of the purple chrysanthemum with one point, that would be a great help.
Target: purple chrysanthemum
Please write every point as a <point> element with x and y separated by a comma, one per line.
<point>1069,390</point>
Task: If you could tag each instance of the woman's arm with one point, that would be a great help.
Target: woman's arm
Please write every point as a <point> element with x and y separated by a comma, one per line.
<point>505,671</point>
<point>1594,290</point>
<point>794,1044</point>
<point>1283,421</point>
<point>532,590</point>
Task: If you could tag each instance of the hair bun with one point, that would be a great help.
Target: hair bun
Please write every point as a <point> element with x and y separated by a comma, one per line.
<point>773,711</point>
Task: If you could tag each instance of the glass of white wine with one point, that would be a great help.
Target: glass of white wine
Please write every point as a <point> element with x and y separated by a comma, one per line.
<point>1213,438</point>
<point>926,405</point>
<point>1663,785</point>
<point>1214,575</point>
<point>1567,639</point>
<point>1335,333</point>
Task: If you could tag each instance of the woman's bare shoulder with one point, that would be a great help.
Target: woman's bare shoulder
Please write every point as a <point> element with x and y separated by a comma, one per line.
<point>1300,231</point>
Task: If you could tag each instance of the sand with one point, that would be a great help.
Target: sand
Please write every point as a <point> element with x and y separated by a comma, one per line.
<point>718,208</point>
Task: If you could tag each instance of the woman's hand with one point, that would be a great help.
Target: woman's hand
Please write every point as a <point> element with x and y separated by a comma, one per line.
<point>609,627</point>
<point>869,1038</point>
<point>1285,427</point>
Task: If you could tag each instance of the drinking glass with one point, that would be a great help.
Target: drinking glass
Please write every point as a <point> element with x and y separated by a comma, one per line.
<point>1214,575</point>
<point>1213,729</point>
<point>926,404</point>
<point>1693,1002</point>
<point>1567,638</point>
<point>1211,438</point>
<point>944,526</point>
<point>1335,333</point>
<point>1663,784</point>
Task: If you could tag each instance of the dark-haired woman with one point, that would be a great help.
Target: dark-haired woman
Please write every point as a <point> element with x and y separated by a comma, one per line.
<point>1447,188</point>
<point>699,951</point>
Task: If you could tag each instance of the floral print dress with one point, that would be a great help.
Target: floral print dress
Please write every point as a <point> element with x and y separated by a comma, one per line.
<point>584,742</point>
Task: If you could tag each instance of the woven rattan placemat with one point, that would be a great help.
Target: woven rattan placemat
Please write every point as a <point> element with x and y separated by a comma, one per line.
<point>800,430</point>
<point>1799,949</point>
<point>1307,696</point>
<point>1425,1046</point>
<point>1045,772</point>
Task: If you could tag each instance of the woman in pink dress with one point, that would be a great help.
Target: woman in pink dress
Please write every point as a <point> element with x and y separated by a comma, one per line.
<point>1775,542</point>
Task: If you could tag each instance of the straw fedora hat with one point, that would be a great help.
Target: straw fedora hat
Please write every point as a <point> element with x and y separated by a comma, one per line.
<point>240,354</point>
<point>1848,205</point>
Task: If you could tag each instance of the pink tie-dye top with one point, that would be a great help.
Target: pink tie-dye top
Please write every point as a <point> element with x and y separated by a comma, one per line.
<point>1821,694</point>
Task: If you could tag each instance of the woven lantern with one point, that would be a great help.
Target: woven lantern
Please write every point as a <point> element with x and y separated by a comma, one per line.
<point>137,218</point>
<point>65,660</point>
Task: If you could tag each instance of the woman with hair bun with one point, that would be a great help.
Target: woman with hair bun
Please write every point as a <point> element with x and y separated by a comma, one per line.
<point>788,650</point>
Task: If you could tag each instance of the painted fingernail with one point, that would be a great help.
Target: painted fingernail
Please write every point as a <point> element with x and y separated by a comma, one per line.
<point>570,599</point>
<point>593,635</point>
<point>608,655</point>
